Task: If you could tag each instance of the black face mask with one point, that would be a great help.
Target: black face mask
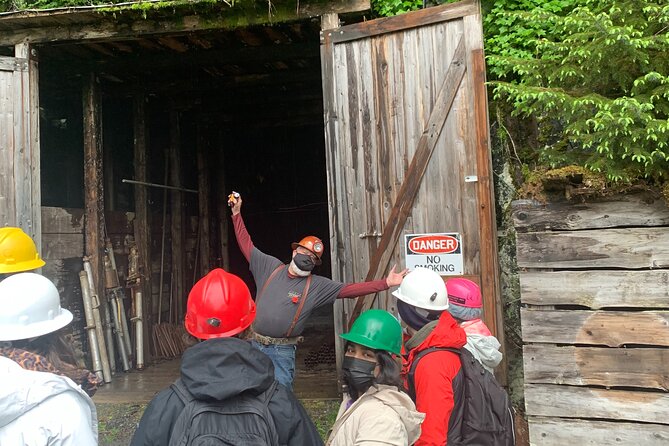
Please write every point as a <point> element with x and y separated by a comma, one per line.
<point>304,262</point>
<point>358,375</point>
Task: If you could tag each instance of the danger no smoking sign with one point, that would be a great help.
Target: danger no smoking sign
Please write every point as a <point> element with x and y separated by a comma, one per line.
<point>439,252</point>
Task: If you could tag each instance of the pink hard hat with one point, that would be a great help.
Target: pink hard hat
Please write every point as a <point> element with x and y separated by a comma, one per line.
<point>464,292</point>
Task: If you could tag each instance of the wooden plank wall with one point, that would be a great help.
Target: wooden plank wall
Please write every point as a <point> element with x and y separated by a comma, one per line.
<point>595,287</point>
<point>19,142</point>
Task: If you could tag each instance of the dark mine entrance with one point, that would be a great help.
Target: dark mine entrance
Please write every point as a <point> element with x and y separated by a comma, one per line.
<point>244,108</point>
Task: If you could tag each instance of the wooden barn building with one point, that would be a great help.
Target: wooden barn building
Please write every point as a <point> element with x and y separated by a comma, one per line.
<point>358,131</point>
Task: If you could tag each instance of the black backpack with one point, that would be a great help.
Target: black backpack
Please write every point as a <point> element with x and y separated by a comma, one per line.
<point>241,420</point>
<point>482,414</point>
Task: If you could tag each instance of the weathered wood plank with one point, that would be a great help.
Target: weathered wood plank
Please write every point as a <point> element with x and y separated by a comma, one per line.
<point>12,64</point>
<point>422,17</point>
<point>605,248</point>
<point>31,219</point>
<point>142,221</point>
<point>87,24</point>
<point>62,220</point>
<point>559,432</point>
<point>584,402</point>
<point>407,194</point>
<point>640,209</point>
<point>591,366</point>
<point>93,194</point>
<point>222,200</point>
<point>596,289</point>
<point>334,180</point>
<point>62,246</point>
<point>7,186</point>
<point>611,328</point>
<point>203,186</point>
<point>177,216</point>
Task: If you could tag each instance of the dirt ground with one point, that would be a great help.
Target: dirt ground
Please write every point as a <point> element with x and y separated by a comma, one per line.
<point>117,422</point>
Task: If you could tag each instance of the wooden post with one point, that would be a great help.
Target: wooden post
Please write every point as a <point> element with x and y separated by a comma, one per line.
<point>176,214</point>
<point>330,21</point>
<point>142,216</point>
<point>93,193</point>
<point>204,184</point>
<point>222,205</point>
<point>480,136</point>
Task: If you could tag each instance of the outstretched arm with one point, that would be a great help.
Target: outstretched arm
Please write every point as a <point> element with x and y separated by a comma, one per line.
<point>243,238</point>
<point>373,286</point>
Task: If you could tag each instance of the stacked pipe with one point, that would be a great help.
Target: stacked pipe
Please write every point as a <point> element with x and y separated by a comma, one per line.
<point>107,326</point>
<point>94,321</point>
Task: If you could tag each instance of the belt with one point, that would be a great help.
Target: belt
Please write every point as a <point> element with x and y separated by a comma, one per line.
<point>268,340</point>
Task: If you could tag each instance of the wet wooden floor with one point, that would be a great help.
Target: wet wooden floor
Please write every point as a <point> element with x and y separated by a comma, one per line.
<point>140,387</point>
<point>315,383</point>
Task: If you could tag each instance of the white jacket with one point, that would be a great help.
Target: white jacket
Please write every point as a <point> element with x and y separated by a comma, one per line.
<point>40,409</point>
<point>381,416</point>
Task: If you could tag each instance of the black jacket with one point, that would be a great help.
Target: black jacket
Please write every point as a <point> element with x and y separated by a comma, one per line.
<point>218,369</point>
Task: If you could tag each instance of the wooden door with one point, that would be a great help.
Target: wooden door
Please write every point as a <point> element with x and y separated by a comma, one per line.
<point>407,146</point>
<point>19,143</point>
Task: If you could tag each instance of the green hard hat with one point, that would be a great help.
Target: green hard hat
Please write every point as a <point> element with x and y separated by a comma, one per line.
<point>376,329</point>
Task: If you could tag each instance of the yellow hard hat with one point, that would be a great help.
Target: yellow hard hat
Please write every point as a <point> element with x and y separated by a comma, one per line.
<point>17,251</point>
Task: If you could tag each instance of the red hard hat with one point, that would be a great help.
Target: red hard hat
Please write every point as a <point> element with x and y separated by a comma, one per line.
<point>313,244</point>
<point>219,306</point>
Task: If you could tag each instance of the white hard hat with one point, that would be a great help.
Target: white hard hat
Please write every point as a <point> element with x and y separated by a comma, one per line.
<point>30,307</point>
<point>423,288</point>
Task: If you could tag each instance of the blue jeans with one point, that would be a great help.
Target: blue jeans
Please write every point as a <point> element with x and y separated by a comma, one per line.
<point>283,358</point>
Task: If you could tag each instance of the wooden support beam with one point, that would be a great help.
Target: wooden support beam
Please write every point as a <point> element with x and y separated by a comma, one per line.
<point>480,136</point>
<point>142,215</point>
<point>222,195</point>
<point>412,181</point>
<point>124,22</point>
<point>203,186</point>
<point>177,216</point>
<point>93,193</point>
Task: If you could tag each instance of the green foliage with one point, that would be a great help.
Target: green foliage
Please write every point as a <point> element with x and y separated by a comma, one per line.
<point>386,8</point>
<point>508,34</point>
<point>596,79</point>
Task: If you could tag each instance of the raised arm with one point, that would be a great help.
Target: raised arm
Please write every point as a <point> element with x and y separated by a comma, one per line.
<point>373,286</point>
<point>243,238</point>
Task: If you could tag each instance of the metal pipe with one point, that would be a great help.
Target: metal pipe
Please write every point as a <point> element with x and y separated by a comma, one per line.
<point>97,317</point>
<point>117,292</point>
<point>115,307</point>
<point>139,326</point>
<point>124,321</point>
<point>90,325</point>
<point>163,186</point>
<point>109,332</point>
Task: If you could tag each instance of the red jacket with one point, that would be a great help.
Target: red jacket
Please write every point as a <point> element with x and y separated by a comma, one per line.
<point>434,377</point>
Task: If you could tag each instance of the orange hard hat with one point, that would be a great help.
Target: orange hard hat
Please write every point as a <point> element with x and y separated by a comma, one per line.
<point>17,251</point>
<point>313,244</point>
<point>219,306</point>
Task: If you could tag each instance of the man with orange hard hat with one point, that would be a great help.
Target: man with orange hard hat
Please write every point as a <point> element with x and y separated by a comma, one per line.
<point>287,294</point>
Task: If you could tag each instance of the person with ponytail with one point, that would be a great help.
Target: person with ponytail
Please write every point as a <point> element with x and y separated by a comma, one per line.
<point>375,410</point>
